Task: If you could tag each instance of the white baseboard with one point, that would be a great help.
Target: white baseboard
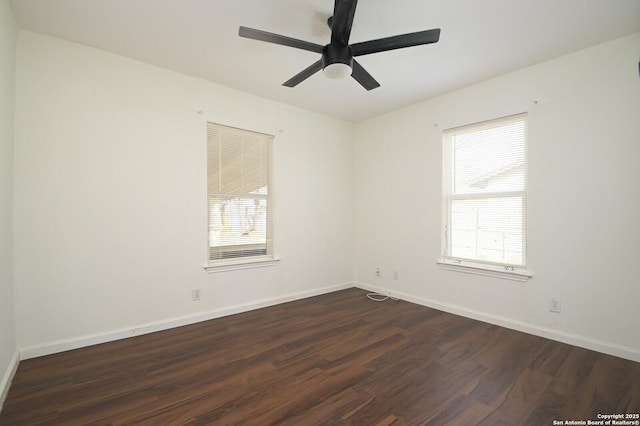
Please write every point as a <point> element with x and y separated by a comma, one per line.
<point>8,377</point>
<point>80,342</point>
<point>84,341</point>
<point>557,335</point>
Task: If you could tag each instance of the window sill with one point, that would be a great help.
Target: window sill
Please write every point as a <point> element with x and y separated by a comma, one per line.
<point>234,265</point>
<point>494,271</point>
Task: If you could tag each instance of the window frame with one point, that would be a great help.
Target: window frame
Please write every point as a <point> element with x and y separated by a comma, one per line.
<point>252,261</point>
<point>504,270</point>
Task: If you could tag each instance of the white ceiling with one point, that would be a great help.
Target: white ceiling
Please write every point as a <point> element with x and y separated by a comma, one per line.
<point>479,40</point>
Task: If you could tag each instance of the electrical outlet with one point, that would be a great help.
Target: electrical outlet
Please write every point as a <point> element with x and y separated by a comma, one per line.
<point>555,306</point>
<point>396,275</point>
<point>378,272</point>
<point>195,294</point>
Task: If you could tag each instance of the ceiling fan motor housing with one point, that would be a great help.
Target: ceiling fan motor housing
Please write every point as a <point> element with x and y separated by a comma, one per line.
<point>335,53</point>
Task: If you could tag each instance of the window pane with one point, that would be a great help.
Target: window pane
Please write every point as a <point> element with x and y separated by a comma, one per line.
<point>238,189</point>
<point>484,188</point>
<point>488,229</point>
<point>238,161</point>
<point>237,227</point>
<point>491,159</point>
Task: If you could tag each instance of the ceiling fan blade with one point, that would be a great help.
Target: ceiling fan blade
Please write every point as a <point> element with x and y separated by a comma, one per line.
<point>279,39</point>
<point>396,42</point>
<point>363,77</point>
<point>342,20</point>
<point>304,74</point>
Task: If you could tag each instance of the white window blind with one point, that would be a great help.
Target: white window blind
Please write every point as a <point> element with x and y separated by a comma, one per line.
<point>485,192</point>
<point>239,189</point>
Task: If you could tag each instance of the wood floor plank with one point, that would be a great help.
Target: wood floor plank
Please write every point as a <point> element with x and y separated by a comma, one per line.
<point>335,359</point>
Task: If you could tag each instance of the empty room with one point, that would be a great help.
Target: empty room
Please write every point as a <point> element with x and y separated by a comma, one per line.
<point>314,212</point>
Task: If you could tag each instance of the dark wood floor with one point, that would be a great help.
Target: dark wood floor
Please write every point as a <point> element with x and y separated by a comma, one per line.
<point>333,359</point>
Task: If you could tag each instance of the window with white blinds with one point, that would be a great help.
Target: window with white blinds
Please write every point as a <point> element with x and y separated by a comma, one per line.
<point>239,194</point>
<point>485,193</point>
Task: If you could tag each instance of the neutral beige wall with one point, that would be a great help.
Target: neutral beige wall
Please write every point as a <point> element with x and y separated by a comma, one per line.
<point>584,202</point>
<point>110,202</point>
<point>8,348</point>
<point>111,214</point>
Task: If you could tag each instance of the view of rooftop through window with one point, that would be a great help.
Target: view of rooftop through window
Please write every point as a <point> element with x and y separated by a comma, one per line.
<point>485,192</point>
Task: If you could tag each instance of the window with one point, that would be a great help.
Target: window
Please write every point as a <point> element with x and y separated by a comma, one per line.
<point>485,196</point>
<point>239,193</point>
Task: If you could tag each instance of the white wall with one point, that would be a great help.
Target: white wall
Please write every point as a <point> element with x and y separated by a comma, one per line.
<point>8,348</point>
<point>111,197</point>
<point>110,205</point>
<point>584,201</point>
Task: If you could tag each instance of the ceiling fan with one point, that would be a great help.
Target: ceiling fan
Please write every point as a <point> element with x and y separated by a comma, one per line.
<point>338,56</point>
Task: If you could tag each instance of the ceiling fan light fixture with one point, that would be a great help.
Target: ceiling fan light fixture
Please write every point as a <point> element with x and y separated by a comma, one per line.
<point>337,70</point>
